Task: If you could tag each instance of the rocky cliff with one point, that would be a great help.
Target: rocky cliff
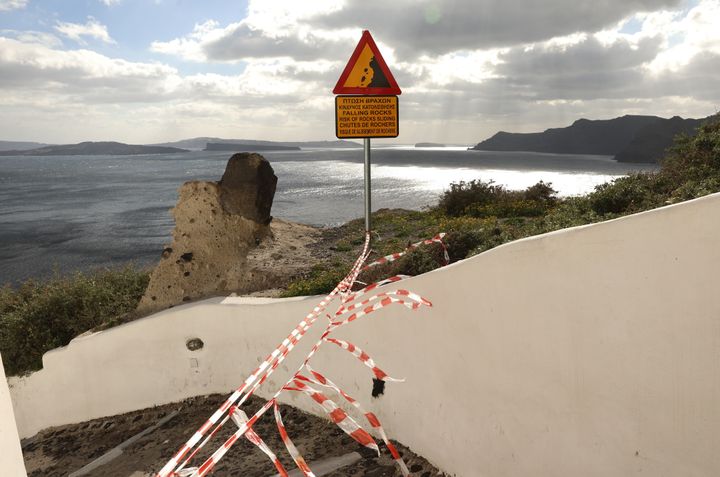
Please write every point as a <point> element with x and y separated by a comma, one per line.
<point>584,136</point>
<point>628,138</point>
<point>217,224</point>
<point>651,142</point>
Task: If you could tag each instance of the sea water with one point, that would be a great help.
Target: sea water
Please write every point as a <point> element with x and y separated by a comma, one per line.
<point>79,212</point>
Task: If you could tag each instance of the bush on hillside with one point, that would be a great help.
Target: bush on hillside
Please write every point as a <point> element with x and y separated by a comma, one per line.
<point>695,158</point>
<point>462,195</point>
<point>691,169</point>
<point>487,199</point>
<point>40,316</point>
<point>632,193</point>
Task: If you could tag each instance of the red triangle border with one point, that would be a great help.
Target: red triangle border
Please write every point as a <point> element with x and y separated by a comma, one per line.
<point>393,89</point>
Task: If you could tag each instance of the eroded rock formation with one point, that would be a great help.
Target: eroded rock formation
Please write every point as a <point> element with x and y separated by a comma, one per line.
<point>216,225</point>
<point>247,187</point>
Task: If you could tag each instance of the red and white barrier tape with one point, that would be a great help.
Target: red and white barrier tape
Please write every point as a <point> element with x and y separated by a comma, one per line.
<point>274,358</point>
<point>385,301</point>
<point>321,380</point>
<point>336,414</point>
<point>413,297</point>
<point>240,418</point>
<point>364,358</point>
<point>394,256</point>
<point>350,297</point>
<point>230,408</point>
<point>292,450</point>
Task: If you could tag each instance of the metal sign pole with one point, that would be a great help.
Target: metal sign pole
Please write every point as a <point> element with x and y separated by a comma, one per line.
<point>367,184</point>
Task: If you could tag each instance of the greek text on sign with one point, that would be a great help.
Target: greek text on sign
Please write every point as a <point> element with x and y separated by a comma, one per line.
<point>366,116</point>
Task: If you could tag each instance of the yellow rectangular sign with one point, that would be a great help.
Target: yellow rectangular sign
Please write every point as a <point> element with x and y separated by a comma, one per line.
<point>366,116</point>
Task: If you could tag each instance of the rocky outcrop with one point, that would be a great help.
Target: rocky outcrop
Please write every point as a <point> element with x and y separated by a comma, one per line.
<point>216,225</point>
<point>247,187</point>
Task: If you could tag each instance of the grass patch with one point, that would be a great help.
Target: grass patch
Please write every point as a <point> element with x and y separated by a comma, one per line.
<point>40,316</point>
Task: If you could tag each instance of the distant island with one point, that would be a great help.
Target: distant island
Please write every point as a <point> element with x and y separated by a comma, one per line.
<point>224,146</point>
<point>25,148</point>
<point>20,145</point>
<point>429,144</point>
<point>200,143</point>
<point>627,138</point>
<point>94,149</point>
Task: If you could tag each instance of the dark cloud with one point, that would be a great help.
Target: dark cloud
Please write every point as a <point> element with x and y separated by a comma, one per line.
<point>441,26</point>
<point>699,78</point>
<point>585,79</point>
<point>586,55</point>
<point>585,70</point>
<point>414,28</point>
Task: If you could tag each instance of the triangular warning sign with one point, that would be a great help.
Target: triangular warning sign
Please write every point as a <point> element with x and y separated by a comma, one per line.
<point>366,72</point>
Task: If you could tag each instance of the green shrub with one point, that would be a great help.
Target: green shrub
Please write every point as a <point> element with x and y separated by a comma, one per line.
<point>463,194</point>
<point>415,262</point>
<point>695,188</point>
<point>507,208</point>
<point>40,316</point>
<point>485,199</point>
<point>691,169</point>
<point>320,280</point>
<point>695,158</point>
<point>570,212</point>
<point>541,192</point>
<point>624,195</point>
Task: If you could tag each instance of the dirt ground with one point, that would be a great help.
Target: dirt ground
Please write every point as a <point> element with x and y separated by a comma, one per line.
<point>284,255</point>
<point>59,451</point>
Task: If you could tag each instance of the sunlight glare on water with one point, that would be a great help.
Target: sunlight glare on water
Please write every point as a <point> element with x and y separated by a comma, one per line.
<point>437,179</point>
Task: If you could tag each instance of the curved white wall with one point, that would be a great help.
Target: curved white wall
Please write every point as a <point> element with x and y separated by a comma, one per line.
<point>592,351</point>
<point>11,459</point>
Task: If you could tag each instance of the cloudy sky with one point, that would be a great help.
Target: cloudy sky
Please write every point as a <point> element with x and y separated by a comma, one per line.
<point>145,71</point>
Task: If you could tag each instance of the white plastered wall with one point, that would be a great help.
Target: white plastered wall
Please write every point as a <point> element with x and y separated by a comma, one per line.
<point>11,459</point>
<point>592,351</point>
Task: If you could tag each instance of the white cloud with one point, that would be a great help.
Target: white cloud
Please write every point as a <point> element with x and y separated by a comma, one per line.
<point>271,29</point>
<point>276,16</point>
<point>92,28</point>
<point>110,3</point>
<point>287,58</point>
<point>35,37</point>
<point>697,33</point>
<point>461,66</point>
<point>191,46</point>
<point>90,77</point>
<point>6,5</point>
<point>83,73</point>
<point>253,38</point>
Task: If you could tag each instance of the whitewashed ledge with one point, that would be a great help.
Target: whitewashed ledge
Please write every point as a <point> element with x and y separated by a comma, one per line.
<point>589,351</point>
